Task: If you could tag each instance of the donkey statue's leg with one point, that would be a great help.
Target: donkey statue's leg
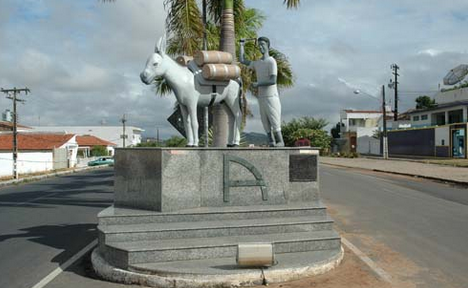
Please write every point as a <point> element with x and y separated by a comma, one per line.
<point>235,115</point>
<point>192,114</point>
<point>187,125</point>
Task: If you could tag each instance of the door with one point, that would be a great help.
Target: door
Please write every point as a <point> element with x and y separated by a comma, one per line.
<point>458,143</point>
<point>353,143</point>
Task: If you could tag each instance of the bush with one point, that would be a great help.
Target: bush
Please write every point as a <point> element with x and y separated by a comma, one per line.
<point>291,129</point>
<point>99,151</point>
<point>317,138</point>
<point>345,155</point>
<point>175,141</point>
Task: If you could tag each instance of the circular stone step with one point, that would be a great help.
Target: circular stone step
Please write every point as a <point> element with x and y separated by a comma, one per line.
<point>221,272</point>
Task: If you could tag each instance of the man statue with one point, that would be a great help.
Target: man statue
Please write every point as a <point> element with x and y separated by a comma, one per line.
<point>268,97</point>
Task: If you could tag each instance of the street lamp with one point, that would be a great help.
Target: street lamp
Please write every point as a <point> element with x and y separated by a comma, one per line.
<point>384,112</point>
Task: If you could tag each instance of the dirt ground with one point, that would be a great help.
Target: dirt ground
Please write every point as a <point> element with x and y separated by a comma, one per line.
<point>351,273</point>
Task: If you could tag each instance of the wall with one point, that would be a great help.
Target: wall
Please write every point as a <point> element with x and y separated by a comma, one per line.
<point>442,136</point>
<point>60,158</point>
<point>422,123</point>
<point>368,145</point>
<point>442,141</point>
<point>452,96</point>
<point>28,162</point>
<point>414,142</point>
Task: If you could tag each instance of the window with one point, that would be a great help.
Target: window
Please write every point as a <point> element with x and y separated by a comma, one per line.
<point>357,122</point>
<point>415,118</point>
<point>424,117</point>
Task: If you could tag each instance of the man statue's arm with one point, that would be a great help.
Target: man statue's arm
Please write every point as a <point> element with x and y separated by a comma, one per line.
<point>242,53</point>
<point>269,82</point>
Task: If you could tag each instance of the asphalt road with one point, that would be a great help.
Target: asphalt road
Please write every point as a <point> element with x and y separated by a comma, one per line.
<point>43,224</point>
<point>415,229</point>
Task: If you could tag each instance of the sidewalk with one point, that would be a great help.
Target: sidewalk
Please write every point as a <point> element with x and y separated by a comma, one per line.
<point>457,175</point>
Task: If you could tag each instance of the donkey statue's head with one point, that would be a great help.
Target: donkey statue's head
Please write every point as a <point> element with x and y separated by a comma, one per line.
<point>155,65</point>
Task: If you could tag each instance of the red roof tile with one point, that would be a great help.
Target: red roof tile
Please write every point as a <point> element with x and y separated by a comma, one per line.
<point>89,140</point>
<point>29,141</point>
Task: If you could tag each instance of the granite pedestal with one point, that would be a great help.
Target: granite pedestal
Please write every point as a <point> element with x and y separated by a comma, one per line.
<point>191,207</point>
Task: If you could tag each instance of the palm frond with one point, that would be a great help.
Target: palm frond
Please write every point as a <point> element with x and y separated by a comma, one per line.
<point>253,21</point>
<point>185,23</point>
<point>285,75</point>
<point>162,87</point>
<point>292,3</point>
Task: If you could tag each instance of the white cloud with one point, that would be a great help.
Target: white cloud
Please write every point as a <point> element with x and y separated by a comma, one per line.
<point>81,59</point>
<point>430,52</point>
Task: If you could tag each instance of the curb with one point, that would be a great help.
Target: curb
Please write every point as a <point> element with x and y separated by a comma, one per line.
<point>256,277</point>
<point>50,175</point>
<point>403,174</point>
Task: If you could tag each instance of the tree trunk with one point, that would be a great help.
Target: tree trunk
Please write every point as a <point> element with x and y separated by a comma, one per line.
<point>227,44</point>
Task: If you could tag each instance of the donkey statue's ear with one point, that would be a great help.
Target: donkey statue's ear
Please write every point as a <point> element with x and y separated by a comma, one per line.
<point>161,47</point>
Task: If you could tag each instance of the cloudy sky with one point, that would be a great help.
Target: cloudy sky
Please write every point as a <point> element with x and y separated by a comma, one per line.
<point>82,59</point>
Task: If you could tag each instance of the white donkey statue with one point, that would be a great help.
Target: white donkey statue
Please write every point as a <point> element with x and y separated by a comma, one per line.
<point>190,94</point>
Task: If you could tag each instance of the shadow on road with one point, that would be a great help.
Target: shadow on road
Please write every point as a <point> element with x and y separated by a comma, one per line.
<point>69,238</point>
<point>81,189</point>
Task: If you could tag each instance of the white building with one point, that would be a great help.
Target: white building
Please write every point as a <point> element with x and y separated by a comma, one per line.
<point>443,128</point>
<point>452,107</point>
<point>354,119</point>
<point>359,128</point>
<point>37,152</point>
<point>7,116</point>
<point>112,134</point>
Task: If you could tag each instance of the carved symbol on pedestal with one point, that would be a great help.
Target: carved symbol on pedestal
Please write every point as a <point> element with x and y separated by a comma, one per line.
<point>242,183</point>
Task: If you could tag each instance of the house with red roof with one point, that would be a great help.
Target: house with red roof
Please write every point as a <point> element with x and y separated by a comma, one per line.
<point>37,152</point>
<point>86,143</point>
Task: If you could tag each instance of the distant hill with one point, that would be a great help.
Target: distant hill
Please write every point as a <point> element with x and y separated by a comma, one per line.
<point>257,139</point>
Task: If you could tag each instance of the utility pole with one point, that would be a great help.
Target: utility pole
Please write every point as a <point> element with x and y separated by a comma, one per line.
<point>384,112</point>
<point>395,68</point>
<point>157,136</point>
<point>11,94</point>
<point>123,120</point>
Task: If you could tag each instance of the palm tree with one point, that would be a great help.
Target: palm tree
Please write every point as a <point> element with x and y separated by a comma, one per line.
<point>227,43</point>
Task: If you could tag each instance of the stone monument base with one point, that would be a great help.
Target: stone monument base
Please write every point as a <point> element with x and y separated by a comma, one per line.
<point>180,214</point>
<point>220,272</point>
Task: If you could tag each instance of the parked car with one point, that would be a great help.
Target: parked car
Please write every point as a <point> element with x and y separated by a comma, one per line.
<point>102,161</point>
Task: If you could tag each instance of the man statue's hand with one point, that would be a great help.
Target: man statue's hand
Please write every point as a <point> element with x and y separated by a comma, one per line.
<point>254,85</point>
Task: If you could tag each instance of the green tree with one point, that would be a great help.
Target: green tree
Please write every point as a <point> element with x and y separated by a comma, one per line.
<point>424,102</point>
<point>175,141</point>
<point>335,131</point>
<point>99,151</point>
<point>291,127</point>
